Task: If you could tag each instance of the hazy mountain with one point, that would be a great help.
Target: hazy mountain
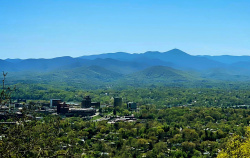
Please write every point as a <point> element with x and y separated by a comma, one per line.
<point>227,59</point>
<point>79,74</point>
<point>122,56</point>
<point>152,66</point>
<point>13,60</point>
<point>175,58</point>
<point>120,62</point>
<point>226,74</point>
<point>80,77</point>
<point>49,64</point>
<point>160,75</point>
<point>241,64</point>
<point>185,61</point>
<point>6,66</point>
<point>167,73</point>
<point>42,64</point>
<point>123,67</point>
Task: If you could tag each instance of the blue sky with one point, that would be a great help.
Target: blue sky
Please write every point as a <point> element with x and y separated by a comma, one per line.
<point>52,28</point>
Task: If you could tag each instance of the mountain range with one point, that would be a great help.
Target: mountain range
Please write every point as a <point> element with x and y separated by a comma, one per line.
<point>152,67</point>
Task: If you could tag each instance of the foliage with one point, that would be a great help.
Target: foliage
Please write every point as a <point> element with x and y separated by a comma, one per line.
<point>171,122</point>
<point>176,134</point>
<point>237,147</point>
<point>5,94</point>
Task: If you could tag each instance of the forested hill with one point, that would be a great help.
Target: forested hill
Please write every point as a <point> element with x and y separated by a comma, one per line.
<point>111,69</point>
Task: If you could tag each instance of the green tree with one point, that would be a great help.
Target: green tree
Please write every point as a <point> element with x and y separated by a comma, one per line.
<point>237,147</point>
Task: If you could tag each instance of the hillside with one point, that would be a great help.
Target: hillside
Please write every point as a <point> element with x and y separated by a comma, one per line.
<point>162,74</point>
<point>116,69</point>
<point>86,77</point>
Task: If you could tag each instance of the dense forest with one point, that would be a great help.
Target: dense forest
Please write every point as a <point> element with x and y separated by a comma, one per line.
<point>170,122</point>
<point>158,96</point>
<point>166,132</point>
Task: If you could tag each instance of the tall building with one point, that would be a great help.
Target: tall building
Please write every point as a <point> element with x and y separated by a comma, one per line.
<point>86,103</point>
<point>117,102</point>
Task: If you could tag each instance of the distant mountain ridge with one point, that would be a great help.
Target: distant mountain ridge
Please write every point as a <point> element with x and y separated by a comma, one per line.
<point>149,67</point>
<point>174,58</point>
<point>227,59</point>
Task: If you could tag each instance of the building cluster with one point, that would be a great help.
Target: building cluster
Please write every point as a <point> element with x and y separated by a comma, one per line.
<point>88,107</point>
<point>13,109</point>
<point>65,109</point>
<point>118,103</point>
<point>57,106</point>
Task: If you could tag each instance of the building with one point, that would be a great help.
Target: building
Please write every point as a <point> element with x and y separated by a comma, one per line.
<point>96,105</point>
<point>117,102</point>
<point>62,108</point>
<point>132,106</point>
<point>81,112</point>
<point>86,103</point>
<point>54,102</point>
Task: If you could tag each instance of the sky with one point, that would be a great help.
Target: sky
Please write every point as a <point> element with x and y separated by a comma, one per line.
<point>53,28</point>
